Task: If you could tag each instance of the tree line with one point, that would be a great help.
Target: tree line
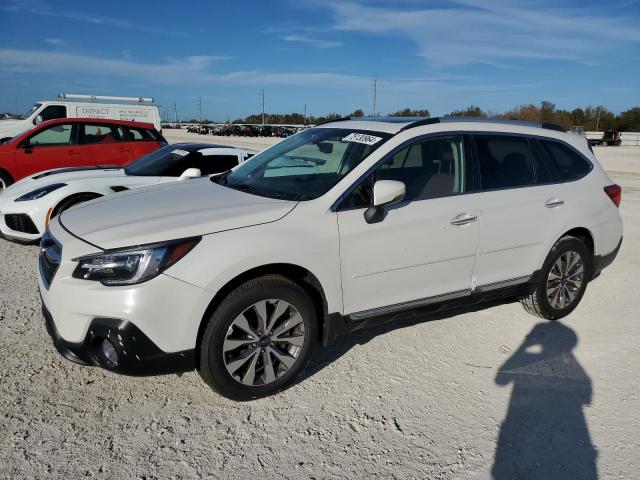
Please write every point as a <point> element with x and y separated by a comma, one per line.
<point>589,118</point>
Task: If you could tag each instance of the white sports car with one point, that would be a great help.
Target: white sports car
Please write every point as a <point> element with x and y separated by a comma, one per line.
<point>27,206</point>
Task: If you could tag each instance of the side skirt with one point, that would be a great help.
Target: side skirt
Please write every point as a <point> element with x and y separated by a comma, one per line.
<point>336,325</point>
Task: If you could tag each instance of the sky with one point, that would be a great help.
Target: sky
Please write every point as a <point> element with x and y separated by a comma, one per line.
<point>439,55</point>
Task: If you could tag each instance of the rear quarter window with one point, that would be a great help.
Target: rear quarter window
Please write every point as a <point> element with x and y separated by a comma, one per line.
<point>142,135</point>
<point>570,164</point>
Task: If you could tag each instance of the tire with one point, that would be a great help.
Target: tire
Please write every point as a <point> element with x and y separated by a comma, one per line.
<point>67,203</point>
<point>569,291</point>
<point>5,180</point>
<point>260,371</point>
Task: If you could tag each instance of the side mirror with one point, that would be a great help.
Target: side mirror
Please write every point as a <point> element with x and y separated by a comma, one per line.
<point>38,120</point>
<point>190,173</point>
<point>385,192</point>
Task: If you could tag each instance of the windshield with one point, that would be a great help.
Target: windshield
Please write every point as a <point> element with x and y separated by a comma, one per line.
<point>168,161</point>
<point>31,110</point>
<point>304,166</point>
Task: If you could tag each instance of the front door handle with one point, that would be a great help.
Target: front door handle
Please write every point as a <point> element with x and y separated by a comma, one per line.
<point>463,219</point>
<point>554,202</point>
<point>74,152</point>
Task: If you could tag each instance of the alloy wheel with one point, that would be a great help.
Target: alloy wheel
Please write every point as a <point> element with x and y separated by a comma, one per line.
<point>263,342</point>
<point>565,280</point>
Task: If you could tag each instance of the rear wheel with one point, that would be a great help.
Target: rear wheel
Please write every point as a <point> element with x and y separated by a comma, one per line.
<point>564,278</point>
<point>259,339</point>
<point>5,180</point>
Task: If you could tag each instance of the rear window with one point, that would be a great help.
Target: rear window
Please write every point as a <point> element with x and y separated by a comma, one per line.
<point>142,135</point>
<point>569,163</point>
<point>505,162</point>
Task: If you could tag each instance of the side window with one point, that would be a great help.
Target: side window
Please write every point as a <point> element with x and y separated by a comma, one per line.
<point>545,167</point>
<point>504,161</point>
<point>56,135</point>
<point>429,169</point>
<point>52,112</point>
<point>140,135</point>
<point>210,164</point>
<point>89,134</point>
<point>569,163</point>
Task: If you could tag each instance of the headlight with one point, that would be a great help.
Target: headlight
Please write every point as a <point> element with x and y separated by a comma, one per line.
<point>133,265</point>
<point>40,192</point>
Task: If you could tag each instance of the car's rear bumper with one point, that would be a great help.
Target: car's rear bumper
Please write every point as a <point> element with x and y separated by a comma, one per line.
<point>600,262</point>
<point>136,353</point>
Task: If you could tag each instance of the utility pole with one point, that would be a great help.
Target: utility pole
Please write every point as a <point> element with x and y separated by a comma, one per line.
<point>262,101</point>
<point>598,119</point>
<point>374,87</point>
<point>305,114</point>
<point>175,111</point>
<point>199,103</point>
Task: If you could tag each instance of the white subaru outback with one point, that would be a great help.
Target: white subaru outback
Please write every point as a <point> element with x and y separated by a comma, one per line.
<point>341,226</point>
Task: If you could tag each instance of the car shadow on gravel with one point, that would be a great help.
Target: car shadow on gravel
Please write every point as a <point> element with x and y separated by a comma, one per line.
<point>327,355</point>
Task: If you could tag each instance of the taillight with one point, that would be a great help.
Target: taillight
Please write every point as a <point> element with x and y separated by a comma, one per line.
<point>614,192</point>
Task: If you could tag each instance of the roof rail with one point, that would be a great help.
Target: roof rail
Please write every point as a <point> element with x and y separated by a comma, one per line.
<point>341,119</point>
<point>507,121</point>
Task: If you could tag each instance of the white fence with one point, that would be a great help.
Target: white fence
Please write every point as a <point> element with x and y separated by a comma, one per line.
<point>627,138</point>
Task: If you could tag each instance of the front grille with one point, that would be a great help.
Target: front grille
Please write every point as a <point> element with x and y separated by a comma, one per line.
<point>50,255</point>
<point>20,222</point>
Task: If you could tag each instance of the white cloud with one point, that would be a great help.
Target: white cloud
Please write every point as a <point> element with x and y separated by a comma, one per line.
<point>58,42</point>
<point>316,42</point>
<point>490,31</point>
<point>183,71</point>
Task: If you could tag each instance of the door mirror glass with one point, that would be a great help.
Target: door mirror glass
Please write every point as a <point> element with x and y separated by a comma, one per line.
<point>38,120</point>
<point>385,192</point>
<point>190,173</point>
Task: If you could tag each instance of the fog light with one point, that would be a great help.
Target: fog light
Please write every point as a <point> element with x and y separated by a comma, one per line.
<point>109,353</point>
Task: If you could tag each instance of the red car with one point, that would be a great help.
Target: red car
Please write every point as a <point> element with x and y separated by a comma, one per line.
<point>75,142</point>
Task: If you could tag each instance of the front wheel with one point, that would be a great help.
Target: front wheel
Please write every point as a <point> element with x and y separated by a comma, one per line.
<point>259,339</point>
<point>563,281</point>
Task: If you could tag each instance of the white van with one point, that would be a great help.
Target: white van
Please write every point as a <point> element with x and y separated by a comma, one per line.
<point>72,106</point>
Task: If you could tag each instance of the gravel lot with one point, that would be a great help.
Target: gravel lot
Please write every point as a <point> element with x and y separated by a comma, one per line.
<point>415,399</point>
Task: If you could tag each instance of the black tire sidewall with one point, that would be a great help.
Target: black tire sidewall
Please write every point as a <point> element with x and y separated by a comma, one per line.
<point>562,246</point>
<point>6,179</point>
<point>211,361</point>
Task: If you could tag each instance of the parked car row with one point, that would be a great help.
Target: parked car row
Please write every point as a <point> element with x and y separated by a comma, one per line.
<point>241,274</point>
<point>238,130</point>
<point>28,205</point>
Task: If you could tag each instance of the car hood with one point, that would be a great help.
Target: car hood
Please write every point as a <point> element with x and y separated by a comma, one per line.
<point>10,128</point>
<point>169,211</point>
<point>60,175</point>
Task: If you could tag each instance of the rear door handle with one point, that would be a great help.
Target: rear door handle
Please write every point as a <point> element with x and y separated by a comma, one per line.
<point>554,202</point>
<point>74,152</point>
<point>463,219</point>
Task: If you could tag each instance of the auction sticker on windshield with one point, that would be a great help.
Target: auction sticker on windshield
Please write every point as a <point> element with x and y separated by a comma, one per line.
<point>361,138</point>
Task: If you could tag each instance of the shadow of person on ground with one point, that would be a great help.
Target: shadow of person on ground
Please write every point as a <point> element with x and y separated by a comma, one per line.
<point>545,435</point>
